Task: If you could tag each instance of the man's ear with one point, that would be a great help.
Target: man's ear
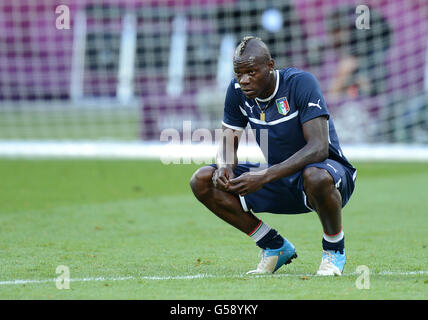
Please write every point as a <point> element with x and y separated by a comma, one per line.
<point>271,65</point>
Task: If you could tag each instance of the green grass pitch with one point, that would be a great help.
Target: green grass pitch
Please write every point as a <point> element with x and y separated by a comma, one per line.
<point>133,230</point>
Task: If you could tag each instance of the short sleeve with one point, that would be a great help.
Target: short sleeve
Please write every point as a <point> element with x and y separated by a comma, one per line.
<point>308,97</point>
<point>233,117</point>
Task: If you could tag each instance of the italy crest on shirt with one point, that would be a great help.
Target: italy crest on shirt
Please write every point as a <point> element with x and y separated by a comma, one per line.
<point>282,105</point>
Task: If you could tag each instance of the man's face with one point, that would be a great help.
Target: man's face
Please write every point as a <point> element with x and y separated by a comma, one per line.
<point>253,75</point>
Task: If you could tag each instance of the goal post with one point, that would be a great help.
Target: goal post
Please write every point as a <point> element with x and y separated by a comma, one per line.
<point>122,72</point>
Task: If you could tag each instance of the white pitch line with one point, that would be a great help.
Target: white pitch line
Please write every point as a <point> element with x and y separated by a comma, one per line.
<point>202,276</point>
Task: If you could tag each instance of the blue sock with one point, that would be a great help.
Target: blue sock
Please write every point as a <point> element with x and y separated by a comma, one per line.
<point>272,240</point>
<point>335,246</point>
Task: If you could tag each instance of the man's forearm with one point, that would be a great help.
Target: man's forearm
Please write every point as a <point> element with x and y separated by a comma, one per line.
<point>316,149</point>
<point>226,157</point>
<point>227,152</point>
<point>307,155</point>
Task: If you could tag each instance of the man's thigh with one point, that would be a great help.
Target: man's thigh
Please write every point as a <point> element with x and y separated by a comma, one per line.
<point>286,195</point>
<point>344,177</point>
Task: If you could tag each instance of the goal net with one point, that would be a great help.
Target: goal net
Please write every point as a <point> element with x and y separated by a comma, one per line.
<point>124,71</point>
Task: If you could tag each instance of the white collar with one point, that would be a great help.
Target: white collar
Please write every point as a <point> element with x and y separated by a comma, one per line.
<point>274,92</point>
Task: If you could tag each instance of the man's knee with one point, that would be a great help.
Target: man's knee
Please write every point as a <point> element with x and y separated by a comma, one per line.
<point>316,181</point>
<point>201,180</point>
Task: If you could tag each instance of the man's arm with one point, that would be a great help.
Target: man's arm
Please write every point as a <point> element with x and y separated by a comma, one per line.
<point>228,147</point>
<point>315,132</point>
<point>316,149</point>
<point>227,157</point>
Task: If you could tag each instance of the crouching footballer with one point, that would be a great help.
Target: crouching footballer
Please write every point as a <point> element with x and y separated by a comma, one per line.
<point>306,169</point>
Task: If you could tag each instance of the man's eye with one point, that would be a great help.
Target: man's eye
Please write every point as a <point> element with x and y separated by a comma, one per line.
<point>251,72</point>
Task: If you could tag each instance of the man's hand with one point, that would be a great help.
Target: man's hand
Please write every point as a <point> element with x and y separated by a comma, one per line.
<point>221,178</point>
<point>246,183</point>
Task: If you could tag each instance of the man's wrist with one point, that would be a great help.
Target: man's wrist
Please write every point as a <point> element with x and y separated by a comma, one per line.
<point>224,166</point>
<point>268,176</point>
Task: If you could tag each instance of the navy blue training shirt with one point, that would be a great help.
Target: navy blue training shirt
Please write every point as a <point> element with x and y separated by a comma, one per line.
<point>297,98</point>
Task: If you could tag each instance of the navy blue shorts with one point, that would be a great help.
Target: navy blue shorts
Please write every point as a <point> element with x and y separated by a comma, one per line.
<point>286,195</point>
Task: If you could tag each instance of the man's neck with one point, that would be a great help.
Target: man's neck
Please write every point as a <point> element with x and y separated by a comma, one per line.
<point>270,91</point>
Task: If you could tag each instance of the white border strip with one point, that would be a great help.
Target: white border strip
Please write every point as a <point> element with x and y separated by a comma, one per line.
<point>201,151</point>
<point>203,276</point>
<point>275,122</point>
<point>243,203</point>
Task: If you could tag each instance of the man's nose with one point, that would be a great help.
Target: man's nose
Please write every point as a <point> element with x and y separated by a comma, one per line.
<point>245,79</point>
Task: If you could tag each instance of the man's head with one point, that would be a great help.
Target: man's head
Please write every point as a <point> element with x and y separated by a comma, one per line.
<point>254,68</point>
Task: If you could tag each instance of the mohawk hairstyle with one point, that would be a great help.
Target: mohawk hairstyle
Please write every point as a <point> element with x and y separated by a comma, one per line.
<point>243,44</point>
